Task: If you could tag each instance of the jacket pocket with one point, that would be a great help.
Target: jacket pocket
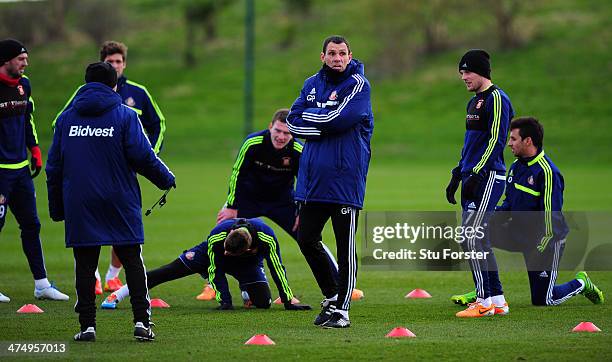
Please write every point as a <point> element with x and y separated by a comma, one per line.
<point>339,156</point>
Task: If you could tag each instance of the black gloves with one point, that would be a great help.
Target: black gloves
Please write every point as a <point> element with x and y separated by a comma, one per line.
<point>297,306</point>
<point>225,306</point>
<point>471,186</point>
<point>453,185</point>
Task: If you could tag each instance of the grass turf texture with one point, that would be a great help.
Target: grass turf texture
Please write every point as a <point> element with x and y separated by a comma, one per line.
<point>193,329</point>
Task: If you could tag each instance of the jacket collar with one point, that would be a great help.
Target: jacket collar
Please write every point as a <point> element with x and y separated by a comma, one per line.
<point>533,159</point>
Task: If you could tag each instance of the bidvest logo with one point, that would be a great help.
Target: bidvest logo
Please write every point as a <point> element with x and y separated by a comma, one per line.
<point>80,131</point>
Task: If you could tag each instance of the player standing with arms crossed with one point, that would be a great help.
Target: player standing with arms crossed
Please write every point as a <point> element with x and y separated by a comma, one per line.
<point>334,114</point>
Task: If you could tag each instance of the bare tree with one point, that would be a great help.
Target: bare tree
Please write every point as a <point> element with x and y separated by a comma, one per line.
<point>294,11</point>
<point>99,20</point>
<point>506,12</point>
<point>200,14</point>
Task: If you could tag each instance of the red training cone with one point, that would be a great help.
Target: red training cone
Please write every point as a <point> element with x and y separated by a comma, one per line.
<point>30,308</point>
<point>159,303</point>
<point>400,332</point>
<point>279,301</point>
<point>586,327</point>
<point>418,293</point>
<point>260,339</point>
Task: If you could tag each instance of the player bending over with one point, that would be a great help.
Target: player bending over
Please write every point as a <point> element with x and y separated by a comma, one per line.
<point>236,247</point>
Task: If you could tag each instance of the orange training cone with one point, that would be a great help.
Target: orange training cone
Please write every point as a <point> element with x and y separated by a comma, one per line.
<point>400,332</point>
<point>586,327</point>
<point>418,293</point>
<point>30,308</point>
<point>279,301</point>
<point>260,339</point>
<point>357,294</point>
<point>159,303</point>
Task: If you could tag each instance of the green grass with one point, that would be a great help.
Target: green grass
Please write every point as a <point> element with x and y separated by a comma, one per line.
<point>193,329</point>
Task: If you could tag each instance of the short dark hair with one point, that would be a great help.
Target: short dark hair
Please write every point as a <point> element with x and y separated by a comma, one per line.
<point>237,241</point>
<point>529,127</point>
<point>113,47</point>
<point>336,39</point>
<point>101,72</point>
<point>280,115</point>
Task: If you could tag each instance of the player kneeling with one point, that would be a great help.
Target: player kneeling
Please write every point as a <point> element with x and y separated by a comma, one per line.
<point>236,247</point>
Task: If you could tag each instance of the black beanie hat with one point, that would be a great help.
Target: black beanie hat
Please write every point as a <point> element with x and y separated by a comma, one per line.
<point>101,72</point>
<point>9,49</point>
<point>477,61</point>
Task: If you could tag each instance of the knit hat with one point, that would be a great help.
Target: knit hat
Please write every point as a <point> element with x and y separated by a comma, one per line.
<point>9,49</point>
<point>101,72</point>
<point>477,61</point>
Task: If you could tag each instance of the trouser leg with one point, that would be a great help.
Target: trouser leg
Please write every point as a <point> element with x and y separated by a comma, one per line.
<point>344,221</point>
<point>543,268</point>
<point>136,277</point>
<point>284,216</point>
<point>476,214</point>
<point>22,203</point>
<point>171,271</point>
<point>313,217</point>
<point>259,293</point>
<point>85,264</point>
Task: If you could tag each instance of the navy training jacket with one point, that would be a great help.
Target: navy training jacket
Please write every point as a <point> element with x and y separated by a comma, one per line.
<point>17,130</point>
<point>486,131</point>
<point>263,240</point>
<point>263,173</point>
<point>334,115</point>
<point>536,184</point>
<point>98,147</point>
<point>137,97</point>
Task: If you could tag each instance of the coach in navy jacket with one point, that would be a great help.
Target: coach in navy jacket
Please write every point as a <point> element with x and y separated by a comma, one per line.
<point>95,135</point>
<point>334,114</point>
<point>98,147</point>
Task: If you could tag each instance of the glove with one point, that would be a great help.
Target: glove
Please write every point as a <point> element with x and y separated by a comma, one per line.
<point>297,306</point>
<point>36,163</point>
<point>453,185</point>
<point>225,306</point>
<point>472,185</point>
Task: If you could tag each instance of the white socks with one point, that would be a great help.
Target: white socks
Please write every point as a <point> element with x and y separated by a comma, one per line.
<point>484,302</point>
<point>112,272</point>
<point>581,283</point>
<point>498,300</point>
<point>42,283</point>
<point>122,293</point>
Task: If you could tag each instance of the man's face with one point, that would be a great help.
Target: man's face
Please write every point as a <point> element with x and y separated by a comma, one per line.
<point>473,81</point>
<point>116,60</point>
<point>16,66</point>
<point>336,56</point>
<point>517,144</point>
<point>280,134</point>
